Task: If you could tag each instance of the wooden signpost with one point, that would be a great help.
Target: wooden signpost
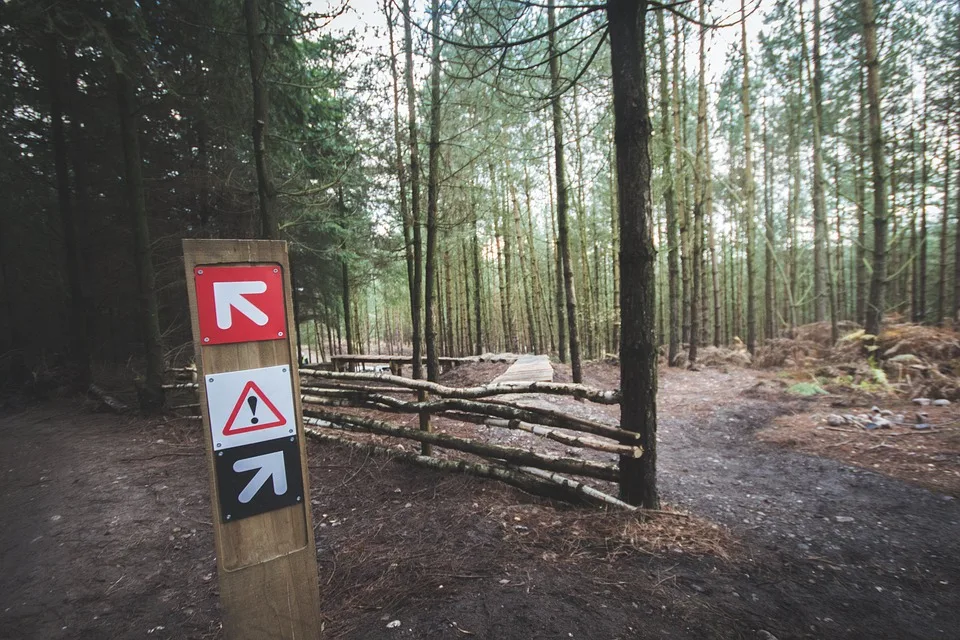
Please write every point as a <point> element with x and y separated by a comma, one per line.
<point>242,316</point>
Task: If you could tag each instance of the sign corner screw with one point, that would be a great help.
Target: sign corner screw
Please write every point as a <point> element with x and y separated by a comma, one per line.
<point>206,339</point>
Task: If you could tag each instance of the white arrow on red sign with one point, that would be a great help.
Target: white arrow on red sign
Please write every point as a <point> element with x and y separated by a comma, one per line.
<point>229,295</point>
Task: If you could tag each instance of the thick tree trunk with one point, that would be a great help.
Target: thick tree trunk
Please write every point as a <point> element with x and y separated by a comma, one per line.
<point>266,195</point>
<point>670,201</point>
<point>875,304</point>
<point>563,235</point>
<point>78,325</point>
<point>638,350</point>
<point>151,393</point>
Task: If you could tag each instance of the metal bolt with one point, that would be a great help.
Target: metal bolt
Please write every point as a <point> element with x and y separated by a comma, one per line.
<point>284,369</point>
<point>280,334</point>
<point>219,453</point>
<point>206,339</point>
<point>199,272</point>
<point>210,379</point>
<point>228,516</point>
<point>292,439</point>
<point>219,445</point>
<point>299,498</point>
<point>291,431</point>
<point>276,270</point>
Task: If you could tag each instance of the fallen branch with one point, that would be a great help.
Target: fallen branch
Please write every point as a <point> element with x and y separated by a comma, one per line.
<point>520,480</point>
<point>106,400</point>
<point>558,388</point>
<point>498,452</point>
<point>579,487</point>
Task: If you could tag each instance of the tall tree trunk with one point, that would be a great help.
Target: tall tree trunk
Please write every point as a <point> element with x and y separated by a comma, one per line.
<point>615,247</point>
<point>638,361</point>
<point>405,215</point>
<point>589,310</point>
<point>78,329</point>
<point>433,186</point>
<point>151,393</point>
<point>477,287</point>
<point>769,274</point>
<point>944,229</point>
<point>699,188</point>
<point>922,233</point>
<point>416,302</point>
<point>861,199</point>
<point>749,186</point>
<point>266,195</point>
<point>717,313</point>
<point>670,201</point>
<point>346,299</point>
<point>679,186</point>
<point>525,280</point>
<point>875,304</point>
<point>563,235</point>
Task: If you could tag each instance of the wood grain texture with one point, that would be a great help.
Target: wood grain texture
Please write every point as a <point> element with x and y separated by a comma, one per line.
<point>266,563</point>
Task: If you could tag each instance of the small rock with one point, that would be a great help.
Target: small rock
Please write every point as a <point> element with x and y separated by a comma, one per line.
<point>923,426</point>
<point>874,409</point>
<point>886,413</point>
<point>843,519</point>
<point>942,402</point>
<point>923,402</point>
<point>393,625</point>
<point>882,423</point>
<point>870,426</point>
<point>835,420</point>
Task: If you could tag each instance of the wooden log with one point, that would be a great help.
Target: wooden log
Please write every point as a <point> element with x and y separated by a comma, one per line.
<point>335,386</point>
<point>498,452</point>
<point>556,388</point>
<point>559,436</point>
<point>107,400</point>
<point>508,411</point>
<point>526,482</point>
<point>180,385</point>
<point>579,487</point>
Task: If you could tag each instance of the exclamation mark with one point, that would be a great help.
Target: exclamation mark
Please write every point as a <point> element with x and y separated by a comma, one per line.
<point>252,401</point>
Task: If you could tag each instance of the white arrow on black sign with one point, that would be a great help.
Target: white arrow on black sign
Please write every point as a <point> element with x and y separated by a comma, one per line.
<point>269,465</point>
<point>229,295</point>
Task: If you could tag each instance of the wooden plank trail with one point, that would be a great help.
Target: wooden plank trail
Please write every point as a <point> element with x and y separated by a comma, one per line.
<point>528,368</point>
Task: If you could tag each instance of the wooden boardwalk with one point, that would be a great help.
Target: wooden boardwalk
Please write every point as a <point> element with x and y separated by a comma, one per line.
<point>528,369</point>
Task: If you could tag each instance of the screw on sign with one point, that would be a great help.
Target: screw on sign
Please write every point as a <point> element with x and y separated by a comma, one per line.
<point>240,304</point>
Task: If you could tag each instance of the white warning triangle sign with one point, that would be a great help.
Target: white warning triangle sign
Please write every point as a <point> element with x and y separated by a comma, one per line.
<point>253,412</point>
<point>250,406</point>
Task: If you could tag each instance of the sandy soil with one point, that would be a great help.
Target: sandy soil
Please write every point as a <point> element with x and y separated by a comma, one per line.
<point>106,534</point>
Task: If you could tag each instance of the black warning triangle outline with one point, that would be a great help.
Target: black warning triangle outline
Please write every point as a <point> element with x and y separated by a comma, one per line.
<point>228,430</point>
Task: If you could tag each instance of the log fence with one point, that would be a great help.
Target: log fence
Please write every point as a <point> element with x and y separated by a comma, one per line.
<point>329,396</point>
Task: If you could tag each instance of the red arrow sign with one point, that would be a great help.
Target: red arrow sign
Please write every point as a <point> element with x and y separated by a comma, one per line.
<point>240,304</point>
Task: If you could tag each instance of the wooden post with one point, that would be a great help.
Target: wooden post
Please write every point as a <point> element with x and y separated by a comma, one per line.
<point>266,561</point>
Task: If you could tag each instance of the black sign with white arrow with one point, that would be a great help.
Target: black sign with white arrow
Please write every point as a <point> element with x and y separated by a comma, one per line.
<point>259,477</point>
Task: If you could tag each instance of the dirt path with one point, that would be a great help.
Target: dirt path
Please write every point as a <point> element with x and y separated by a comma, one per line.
<point>105,535</point>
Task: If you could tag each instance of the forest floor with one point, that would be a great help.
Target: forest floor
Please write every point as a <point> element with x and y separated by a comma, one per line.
<point>106,530</point>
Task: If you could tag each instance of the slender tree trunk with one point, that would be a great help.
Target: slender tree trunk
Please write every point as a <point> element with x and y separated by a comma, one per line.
<point>699,188</point>
<point>151,393</point>
<point>526,284</point>
<point>670,201</point>
<point>679,186</point>
<point>638,361</point>
<point>944,237</point>
<point>563,236</point>
<point>861,200</point>
<point>922,233</point>
<point>875,304</point>
<point>615,247</point>
<point>78,325</point>
<point>749,187</point>
<point>261,108</point>
<point>477,287</point>
<point>433,187</point>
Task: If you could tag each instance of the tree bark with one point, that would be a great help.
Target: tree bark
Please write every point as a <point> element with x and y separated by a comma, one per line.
<point>670,202</point>
<point>749,186</point>
<point>638,349</point>
<point>875,304</point>
<point>944,215</point>
<point>266,195</point>
<point>78,324</point>
<point>563,236</point>
<point>151,392</point>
